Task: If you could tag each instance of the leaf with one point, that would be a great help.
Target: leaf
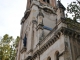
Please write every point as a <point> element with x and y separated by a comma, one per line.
<point>74,9</point>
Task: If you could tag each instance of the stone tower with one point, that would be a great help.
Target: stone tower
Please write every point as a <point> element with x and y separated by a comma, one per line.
<point>46,34</point>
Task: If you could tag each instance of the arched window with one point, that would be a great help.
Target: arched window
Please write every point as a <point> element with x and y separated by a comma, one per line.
<point>48,1</point>
<point>56,55</point>
<point>25,40</point>
<point>49,58</point>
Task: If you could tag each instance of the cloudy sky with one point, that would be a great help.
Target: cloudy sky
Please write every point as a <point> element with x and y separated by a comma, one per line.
<point>11,12</point>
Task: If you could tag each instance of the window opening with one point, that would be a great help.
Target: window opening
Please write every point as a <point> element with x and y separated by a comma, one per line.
<point>25,41</point>
<point>48,1</point>
<point>44,0</point>
<point>57,56</point>
<point>49,58</point>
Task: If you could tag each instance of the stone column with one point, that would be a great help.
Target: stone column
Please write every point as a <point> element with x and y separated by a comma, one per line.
<point>40,25</point>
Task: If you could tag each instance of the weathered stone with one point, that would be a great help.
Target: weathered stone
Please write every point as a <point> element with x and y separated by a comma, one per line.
<point>59,41</point>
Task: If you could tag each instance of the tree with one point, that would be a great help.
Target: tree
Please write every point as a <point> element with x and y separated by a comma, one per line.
<point>1,52</point>
<point>7,39</point>
<point>7,50</point>
<point>16,41</point>
<point>5,46</point>
<point>15,44</point>
<point>74,9</point>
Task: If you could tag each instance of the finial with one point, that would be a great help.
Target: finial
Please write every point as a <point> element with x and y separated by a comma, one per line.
<point>40,13</point>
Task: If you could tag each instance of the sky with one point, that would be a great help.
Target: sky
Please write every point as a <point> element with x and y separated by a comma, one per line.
<point>11,13</point>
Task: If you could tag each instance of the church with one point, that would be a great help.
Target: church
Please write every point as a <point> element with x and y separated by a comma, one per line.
<point>46,34</point>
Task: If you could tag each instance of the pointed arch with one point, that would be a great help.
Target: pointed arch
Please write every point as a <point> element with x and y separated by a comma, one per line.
<point>49,58</point>
<point>57,55</point>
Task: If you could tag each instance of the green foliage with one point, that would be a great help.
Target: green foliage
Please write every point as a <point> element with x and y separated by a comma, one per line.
<point>74,9</point>
<point>1,52</point>
<point>7,39</point>
<point>72,24</point>
<point>7,51</point>
<point>17,41</point>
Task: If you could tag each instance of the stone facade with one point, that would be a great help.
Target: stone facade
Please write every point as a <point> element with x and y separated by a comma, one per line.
<point>46,34</point>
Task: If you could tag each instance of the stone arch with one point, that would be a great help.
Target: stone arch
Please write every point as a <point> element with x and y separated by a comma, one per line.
<point>57,55</point>
<point>49,58</point>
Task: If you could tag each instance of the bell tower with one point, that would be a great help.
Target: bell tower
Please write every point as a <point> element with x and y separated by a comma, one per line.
<point>43,32</point>
<point>45,2</point>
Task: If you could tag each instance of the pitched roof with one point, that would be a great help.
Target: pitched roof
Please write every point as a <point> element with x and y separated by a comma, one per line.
<point>60,5</point>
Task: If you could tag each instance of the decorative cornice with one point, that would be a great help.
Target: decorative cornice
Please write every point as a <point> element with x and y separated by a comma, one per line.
<point>34,21</point>
<point>29,58</point>
<point>43,6</point>
<point>27,13</point>
<point>31,50</point>
<point>55,37</point>
<point>40,26</point>
<point>71,24</point>
<point>23,49</point>
<point>71,33</point>
<point>51,32</point>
